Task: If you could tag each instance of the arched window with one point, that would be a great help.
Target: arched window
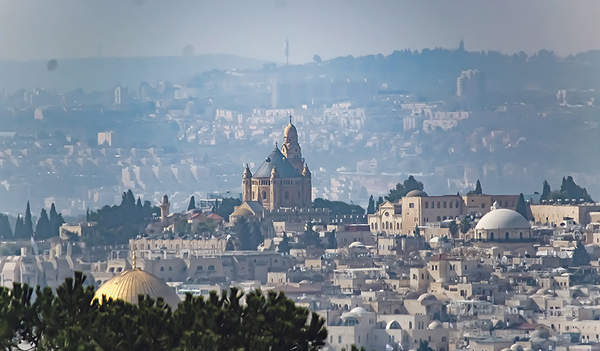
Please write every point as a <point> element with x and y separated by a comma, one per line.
<point>170,269</point>
<point>456,204</point>
<point>162,269</point>
<point>398,226</point>
<point>372,226</point>
<point>506,236</point>
<point>409,325</point>
<point>376,226</point>
<point>111,269</point>
<point>339,339</point>
<point>199,268</point>
<point>211,268</point>
<point>445,218</point>
<point>439,218</point>
<point>119,269</point>
<point>521,235</point>
<point>492,236</point>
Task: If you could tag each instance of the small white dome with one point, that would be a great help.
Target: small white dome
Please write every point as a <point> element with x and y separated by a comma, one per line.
<point>430,297</point>
<point>516,347</point>
<point>356,244</point>
<point>359,311</point>
<point>435,325</point>
<point>503,218</point>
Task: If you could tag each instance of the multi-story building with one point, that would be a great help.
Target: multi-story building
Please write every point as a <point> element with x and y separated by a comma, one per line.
<point>417,209</point>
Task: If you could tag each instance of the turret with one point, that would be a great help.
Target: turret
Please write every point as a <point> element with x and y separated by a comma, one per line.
<point>247,184</point>
<point>306,171</point>
<point>164,209</point>
<point>273,189</point>
<point>306,187</point>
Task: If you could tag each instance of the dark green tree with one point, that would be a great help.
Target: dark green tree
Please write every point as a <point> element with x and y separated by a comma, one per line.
<point>226,207</point>
<point>242,232</point>
<point>371,207</point>
<point>338,207</point>
<point>256,236</point>
<point>43,229</point>
<point>404,188</point>
<point>331,240</point>
<point>522,206</point>
<point>284,245</point>
<point>310,238</point>
<point>192,204</point>
<point>424,346</point>
<point>465,225</point>
<point>379,202</point>
<point>545,191</point>
<point>19,228</point>
<point>580,255</point>
<point>453,228</point>
<point>5,229</point>
<point>56,220</point>
<point>229,246</point>
<point>28,223</point>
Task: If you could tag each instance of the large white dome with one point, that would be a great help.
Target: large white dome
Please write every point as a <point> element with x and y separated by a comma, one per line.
<point>503,218</point>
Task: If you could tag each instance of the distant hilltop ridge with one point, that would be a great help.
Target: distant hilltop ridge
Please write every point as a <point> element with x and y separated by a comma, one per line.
<point>429,72</point>
<point>99,73</point>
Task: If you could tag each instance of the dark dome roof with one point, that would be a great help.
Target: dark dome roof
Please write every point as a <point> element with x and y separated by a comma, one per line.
<point>277,160</point>
<point>416,193</point>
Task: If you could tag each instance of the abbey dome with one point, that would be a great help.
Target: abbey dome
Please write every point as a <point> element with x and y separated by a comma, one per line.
<point>502,224</point>
<point>503,218</point>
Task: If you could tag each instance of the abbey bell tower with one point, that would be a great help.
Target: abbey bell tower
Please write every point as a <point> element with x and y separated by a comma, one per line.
<point>290,148</point>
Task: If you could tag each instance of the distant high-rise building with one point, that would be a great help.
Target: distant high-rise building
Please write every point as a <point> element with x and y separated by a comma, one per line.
<point>470,83</point>
<point>287,51</point>
<point>118,95</point>
<point>105,138</point>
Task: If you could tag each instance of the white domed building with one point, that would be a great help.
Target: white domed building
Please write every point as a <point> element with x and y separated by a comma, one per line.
<point>502,224</point>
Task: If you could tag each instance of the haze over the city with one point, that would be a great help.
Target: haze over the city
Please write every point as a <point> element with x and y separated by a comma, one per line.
<point>41,30</point>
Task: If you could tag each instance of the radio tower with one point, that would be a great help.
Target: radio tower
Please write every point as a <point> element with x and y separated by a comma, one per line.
<point>287,51</point>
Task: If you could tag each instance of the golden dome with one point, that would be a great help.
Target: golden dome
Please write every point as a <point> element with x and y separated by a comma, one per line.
<point>129,284</point>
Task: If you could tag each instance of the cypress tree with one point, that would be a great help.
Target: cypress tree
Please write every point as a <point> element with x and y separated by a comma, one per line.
<point>192,204</point>
<point>28,223</point>
<point>19,228</point>
<point>521,206</point>
<point>139,210</point>
<point>284,246</point>
<point>371,207</point>
<point>43,229</point>
<point>379,202</point>
<point>478,190</point>
<point>56,221</point>
<point>545,191</point>
<point>5,230</point>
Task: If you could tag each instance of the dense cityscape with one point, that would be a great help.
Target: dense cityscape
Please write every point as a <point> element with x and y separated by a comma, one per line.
<point>440,199</point>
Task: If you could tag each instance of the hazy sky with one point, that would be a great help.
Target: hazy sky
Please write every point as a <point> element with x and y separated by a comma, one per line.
<point>44,29</point>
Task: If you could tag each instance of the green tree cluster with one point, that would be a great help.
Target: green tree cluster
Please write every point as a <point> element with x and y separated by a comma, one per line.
<point>119,223</point>
<point>248,235</point>
<point>71,320</point>
<point>568,190</point>
<point>404,188</point>
<point>284,246</point>
<point>580,255</point>
<point>226,207</point>
<point>310,238</point>
<point>338,207</point>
